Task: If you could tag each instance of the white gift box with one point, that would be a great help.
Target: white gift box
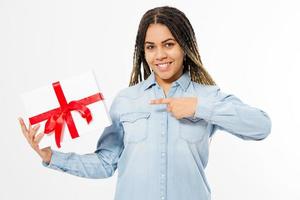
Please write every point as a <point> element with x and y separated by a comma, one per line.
<point>46,99</point>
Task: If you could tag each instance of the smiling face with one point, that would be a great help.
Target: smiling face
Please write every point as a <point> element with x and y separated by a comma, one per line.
<point>163,54</point>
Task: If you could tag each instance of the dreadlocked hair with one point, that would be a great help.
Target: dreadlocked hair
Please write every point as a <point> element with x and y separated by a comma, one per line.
<point>182,30</point>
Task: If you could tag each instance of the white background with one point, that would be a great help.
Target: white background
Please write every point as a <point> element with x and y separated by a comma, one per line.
<point>251,48</point>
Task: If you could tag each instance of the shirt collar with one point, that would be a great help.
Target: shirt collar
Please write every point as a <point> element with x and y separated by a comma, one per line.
<point>184,81</point>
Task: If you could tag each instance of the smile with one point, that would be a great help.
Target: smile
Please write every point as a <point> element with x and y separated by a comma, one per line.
<point>163,65</point>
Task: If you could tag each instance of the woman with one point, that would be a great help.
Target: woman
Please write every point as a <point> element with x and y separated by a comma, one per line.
<point>162,123</point>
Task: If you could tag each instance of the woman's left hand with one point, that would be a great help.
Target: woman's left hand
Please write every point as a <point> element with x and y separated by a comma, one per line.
<point>179,107</point>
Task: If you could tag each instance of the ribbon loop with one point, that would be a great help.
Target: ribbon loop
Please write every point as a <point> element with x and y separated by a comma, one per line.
<point>56,117</point>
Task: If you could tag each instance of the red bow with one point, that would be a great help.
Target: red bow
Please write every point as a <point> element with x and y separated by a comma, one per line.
<point>56,117</point>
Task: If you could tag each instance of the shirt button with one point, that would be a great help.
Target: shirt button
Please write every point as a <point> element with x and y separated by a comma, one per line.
<point>162,198</point>
<point>162,154</point>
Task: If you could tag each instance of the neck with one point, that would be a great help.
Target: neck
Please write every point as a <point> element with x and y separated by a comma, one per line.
<point>166,84</point>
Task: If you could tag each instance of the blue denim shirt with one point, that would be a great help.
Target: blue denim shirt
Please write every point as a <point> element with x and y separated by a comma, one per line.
<point>157,155</point>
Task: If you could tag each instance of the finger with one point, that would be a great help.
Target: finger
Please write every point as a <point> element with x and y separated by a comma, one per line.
<point>161,101</point>
<point>33,131</point>
<point>29,128</point>
<point>23,126</point>
<point>38,138</point>
<point>36,127</point>
<point>24,129</point>
<point>169,109</point>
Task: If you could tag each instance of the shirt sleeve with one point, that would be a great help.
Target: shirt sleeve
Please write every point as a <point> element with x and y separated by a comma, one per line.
<point>100,164</point>
<point>229,113</point>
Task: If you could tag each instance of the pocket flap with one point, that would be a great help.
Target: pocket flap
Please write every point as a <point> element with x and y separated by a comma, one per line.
<point>192,119</point>
<point>132,117</point>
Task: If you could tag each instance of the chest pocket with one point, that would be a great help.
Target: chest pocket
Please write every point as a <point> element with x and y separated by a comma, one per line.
<point>135,126</point>
<point>193,130</point>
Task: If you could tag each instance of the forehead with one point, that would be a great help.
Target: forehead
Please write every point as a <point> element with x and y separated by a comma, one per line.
<point>157,33</point>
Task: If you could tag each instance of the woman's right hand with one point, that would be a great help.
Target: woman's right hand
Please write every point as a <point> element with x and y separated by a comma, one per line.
<point>34,139</point>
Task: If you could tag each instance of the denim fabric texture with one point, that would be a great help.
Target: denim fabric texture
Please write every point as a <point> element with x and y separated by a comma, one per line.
<point>157,155</point>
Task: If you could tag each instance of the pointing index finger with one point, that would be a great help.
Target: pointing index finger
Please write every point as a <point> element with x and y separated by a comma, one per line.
<point>161,101</point>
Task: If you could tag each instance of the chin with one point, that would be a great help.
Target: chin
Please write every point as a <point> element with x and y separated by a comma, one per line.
<point>167,78</point>
<point>164,75</point>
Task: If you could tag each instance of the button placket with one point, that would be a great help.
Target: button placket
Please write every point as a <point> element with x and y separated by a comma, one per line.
<point>164,140</point>
<point>163,151</point>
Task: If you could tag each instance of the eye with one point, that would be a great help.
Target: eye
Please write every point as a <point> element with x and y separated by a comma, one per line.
<point>149,47</point>
<point>169,44</point>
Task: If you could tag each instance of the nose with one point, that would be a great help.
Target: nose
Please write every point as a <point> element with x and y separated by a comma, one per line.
<point>160,54</point>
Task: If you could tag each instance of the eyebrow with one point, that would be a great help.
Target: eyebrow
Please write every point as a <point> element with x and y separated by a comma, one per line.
<point>161,42</point>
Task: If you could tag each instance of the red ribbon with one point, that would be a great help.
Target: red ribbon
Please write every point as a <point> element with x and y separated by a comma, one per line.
<point>56,117</point>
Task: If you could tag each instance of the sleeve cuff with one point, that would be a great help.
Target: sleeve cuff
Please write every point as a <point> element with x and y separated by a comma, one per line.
<point>58,160</point>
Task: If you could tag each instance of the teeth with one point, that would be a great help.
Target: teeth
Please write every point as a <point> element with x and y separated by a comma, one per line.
<point>164,64</point>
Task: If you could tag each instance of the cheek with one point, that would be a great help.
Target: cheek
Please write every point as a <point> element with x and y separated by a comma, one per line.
<point>148,58</point>
<point>177,54</point>
<point>178,57</point>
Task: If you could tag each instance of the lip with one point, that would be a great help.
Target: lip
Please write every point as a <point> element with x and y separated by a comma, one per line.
<point>164,63</point>
<point>163,69</point>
